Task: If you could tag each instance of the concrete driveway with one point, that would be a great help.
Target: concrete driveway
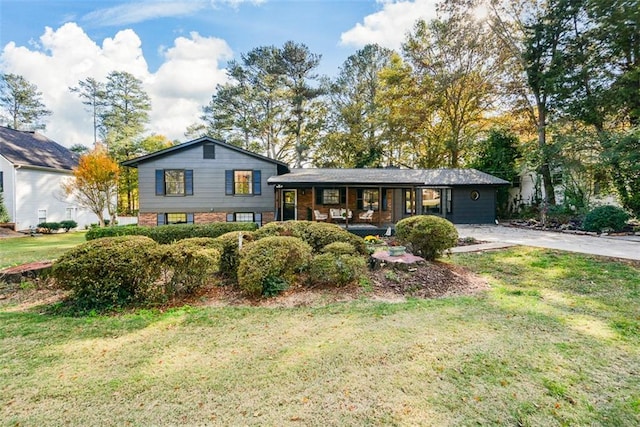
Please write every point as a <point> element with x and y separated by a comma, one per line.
<point>627,247</point>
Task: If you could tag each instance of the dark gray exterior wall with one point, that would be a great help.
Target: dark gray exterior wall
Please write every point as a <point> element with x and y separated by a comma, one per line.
<point>465,210</point>
<point>208,182</point>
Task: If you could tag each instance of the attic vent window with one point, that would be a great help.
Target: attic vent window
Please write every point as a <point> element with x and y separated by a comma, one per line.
<point>209,151</point>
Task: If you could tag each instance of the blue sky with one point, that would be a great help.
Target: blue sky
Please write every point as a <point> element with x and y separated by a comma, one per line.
<point>178,48</point>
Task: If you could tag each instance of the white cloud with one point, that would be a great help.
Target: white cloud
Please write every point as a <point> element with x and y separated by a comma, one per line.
<point>389,26</point>
<point>178,89</point>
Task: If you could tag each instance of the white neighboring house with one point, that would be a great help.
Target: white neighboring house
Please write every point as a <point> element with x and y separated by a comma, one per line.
<point>32,169</point>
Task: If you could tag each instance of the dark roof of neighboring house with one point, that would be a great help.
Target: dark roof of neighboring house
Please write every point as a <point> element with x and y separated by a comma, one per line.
<point>387,176</point>
<point>32,149</point>
<point>153,156</point>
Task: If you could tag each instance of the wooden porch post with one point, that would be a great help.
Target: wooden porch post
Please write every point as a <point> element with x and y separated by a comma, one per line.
<point>380,207</point>
<point>346,200</point>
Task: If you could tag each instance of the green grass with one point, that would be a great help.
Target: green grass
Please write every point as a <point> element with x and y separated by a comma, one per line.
<point>556,341</point>
<point>21,250</point>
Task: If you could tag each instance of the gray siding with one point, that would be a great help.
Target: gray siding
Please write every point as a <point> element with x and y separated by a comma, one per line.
<point>468,211</point>
<point>208,182</point>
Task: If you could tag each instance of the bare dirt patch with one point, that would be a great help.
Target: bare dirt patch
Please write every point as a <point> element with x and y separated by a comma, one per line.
<point>388,284</point>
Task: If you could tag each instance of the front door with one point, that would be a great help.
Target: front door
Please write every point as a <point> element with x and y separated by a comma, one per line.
<point>289,205</point>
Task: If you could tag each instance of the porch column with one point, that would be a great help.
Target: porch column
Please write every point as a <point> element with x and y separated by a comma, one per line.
<point>380,207</point>
<point>346,200</point>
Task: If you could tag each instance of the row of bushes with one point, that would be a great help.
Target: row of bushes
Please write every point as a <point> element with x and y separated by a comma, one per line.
<point>52,227</point>
<point>131,270</point>
<point>171,233</point>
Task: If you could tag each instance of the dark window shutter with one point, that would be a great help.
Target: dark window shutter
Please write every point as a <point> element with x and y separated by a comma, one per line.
<point>230,217</point>
<point>159,182</point>
<point>359,204</point>
<point>161,219</point>
<point>257,182</point>
<point>209,151</point>
<point>319,196</point>
<point>257,218</point>
<point>343,195</point>
<point>189,218</point>
<point>188,182</point>
<point>228,182</point>
<point>384,200</point>
<point>1,181</point>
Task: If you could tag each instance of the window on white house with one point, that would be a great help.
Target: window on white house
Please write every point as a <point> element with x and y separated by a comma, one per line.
<point>42,216</point>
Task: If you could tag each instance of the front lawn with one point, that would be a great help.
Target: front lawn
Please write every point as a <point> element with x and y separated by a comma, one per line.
<point>22,250</point>
<point>555,341</point>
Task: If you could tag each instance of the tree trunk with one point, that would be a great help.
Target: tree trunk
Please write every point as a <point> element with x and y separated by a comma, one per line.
<point>544,169</point>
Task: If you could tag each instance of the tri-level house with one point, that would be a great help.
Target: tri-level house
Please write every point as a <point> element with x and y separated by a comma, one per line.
<point>32,169</point>
<point>207,180</point>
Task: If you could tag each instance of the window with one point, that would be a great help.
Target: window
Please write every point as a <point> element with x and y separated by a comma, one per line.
<point>175,218</point>
<point>208,151</point>
<point>70,213</point>
<point>475,195</point>
<point>330,196</point>
<point>430,201</point>
<point>42,216</point>
<point>449,200</point>
<point>243,182</point>
<point>174,182</point>
<point>243,217</point>
<point>409,202</point>
<point>370,199</point>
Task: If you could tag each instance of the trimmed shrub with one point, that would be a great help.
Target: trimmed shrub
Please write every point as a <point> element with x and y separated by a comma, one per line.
<point>316,234</point>
<point>606,218</point>
<point>48,227</point>
<point>189,264</point>
<point>68,225</point>
<point>339,248</point>
<point>428,235</point>
<point>336,269</point>
<point>172,233</point>
<point>275,258</point>
<point>229,253</point>
<point>110,272</point>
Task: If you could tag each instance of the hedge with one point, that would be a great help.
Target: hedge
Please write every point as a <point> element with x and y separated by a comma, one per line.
<point>171,233</point>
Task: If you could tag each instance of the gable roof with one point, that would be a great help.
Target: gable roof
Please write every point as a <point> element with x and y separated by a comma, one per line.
<point>167,151</point>
<point>31,149</point>
<point>390,176</point>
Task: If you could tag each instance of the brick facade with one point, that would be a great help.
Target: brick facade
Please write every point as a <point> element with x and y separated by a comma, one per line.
<point>208,217</point>
<point>151,219</point>
<point>306,205</point>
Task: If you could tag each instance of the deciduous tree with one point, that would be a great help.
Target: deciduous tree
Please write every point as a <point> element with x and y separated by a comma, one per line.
<point>94,183</point>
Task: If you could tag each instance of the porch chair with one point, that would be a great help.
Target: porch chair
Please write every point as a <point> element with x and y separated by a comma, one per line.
<point>319,216</point>
<point>366,216</point>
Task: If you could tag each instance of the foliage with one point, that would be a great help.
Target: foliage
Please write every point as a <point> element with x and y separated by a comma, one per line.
<point>68,224</point>
<point>353,138</point>
<point>269,106</point>
<point>316,234</point>
<point>279,257</point>
<point>373,240</point>
<point>339,248</point>
<point>111,272</point>
<point>230,251</point>
<point>174,232</point>
<point>188,264</point>
<point>336,269</point>
<point>23,103</point>
<point>605,218</point>
<point>4,213</point>
<point>93,183</point>
<point>622,154</point>
<point>428,235</point>
<point>455,57</point>
<point>49,227</point>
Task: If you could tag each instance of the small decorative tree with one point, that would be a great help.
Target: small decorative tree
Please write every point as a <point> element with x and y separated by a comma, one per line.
<point>95,183</point>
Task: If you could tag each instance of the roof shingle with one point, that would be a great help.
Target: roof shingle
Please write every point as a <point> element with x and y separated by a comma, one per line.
<point>371,176</point>
<point>33,149</point>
